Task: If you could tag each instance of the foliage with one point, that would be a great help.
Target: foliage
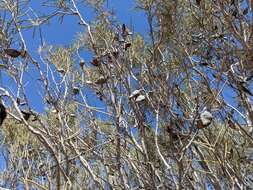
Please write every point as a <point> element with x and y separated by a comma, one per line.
<point>126,111</point>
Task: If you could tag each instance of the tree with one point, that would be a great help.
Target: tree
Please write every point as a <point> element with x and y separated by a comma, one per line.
<point>175,109</point>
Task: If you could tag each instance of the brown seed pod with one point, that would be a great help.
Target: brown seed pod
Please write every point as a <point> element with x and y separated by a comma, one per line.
<point>95,62</point>
<point>198,2</point>
<point>82,63</point>
<point>75,90</point>
<point>3,113</point>
<point>100,95</point>
<point>18,100</point>
<point>231,124</point>
<point>245,11</point>
<point>109,58</point>
<point>127,45</point>
<point>235,13</point>
<point>123,28</point>
<point>125,31</point>
<point>102,80</point>
<point>12,52</point>
<point>26,114</point>
<point>115,54</point>
<point>203,64</point>
<point>62,71</point>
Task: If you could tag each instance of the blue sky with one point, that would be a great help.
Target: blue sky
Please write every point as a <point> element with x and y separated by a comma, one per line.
<point>64,33</point>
